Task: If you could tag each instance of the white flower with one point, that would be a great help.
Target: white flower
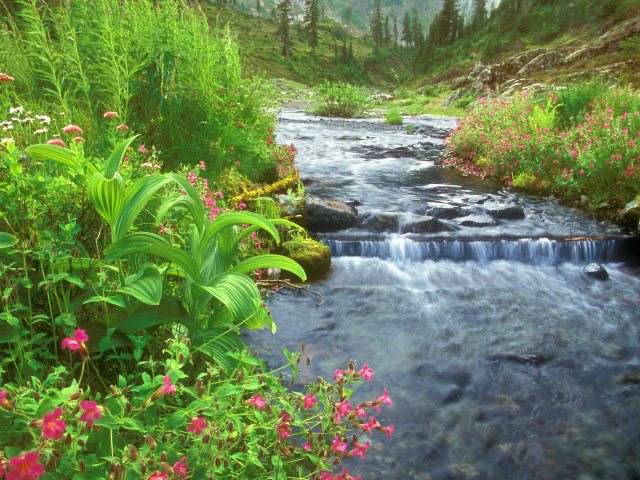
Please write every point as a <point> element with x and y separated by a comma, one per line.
<point>7,127</point>
<point>17,110</point>
<point>41,130</point>
<point>7,140</point>
<point>44,119</point>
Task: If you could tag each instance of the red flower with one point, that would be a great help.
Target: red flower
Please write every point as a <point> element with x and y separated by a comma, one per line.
<point>168,388</point>
<point>366,372</point>
<point>5,78</point>
<point>52,426</point>
<point>72,129</point>
<point>158,476</point>
<point>180,467</point>
<point>309,401</point>
<point>257,401</point>
<point>110,114</point>
<point>79,140</point>
<point>25,467</point>
<point>122,128</point>
<point>3,400</point>
<point>77,342</point>
<point>91,412</point>
<point>197,425</point>
<point>338,446</point>
<point>239,124</point>
<point>57,142</point>
<point>284,431</point>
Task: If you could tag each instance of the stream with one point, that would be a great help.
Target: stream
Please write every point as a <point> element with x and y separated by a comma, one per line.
<point>503,359</point>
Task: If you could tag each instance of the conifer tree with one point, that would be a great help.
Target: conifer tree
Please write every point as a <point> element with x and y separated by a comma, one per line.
<point>311,18</point>
<point>407,35</point>
<point>351,50</point>
<point>386,39</point>
<point>416,29</point>
<point>284,22</point>
<point>395,31</point>
<point>479,17</point>
<point>258,7</point>
<point>376,23</point>
<point>345,52</point>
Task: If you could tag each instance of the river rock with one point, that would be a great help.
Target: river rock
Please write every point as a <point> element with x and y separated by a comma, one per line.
<point>328,215</point>
<point>427,225</point>
<point>446,212</point>
<point>505,211</point>
<point>596,271</point>
<point>313,256</point>
<point>477,221</point>
<point>380,222</point>
<point>630,216</point>
<point>289,204</point>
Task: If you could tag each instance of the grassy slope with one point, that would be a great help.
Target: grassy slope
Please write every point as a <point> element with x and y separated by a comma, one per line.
<point>505,37</point>
<point>261,53</point>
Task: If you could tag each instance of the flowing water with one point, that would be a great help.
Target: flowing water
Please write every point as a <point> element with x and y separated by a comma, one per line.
<point>503,359</point>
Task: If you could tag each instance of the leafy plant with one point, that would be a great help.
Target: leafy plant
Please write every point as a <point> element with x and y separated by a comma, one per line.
<point>393,117</point>
<point>340,100</point>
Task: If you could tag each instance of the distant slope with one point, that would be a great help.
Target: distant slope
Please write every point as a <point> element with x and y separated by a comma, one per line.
<point>260,50</point>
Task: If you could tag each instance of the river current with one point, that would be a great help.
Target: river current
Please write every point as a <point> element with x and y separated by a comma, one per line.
<point>503,359</point>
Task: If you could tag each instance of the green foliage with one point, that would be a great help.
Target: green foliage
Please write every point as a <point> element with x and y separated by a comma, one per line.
<point>393,117</point>
<point>595,152</point>
<point>340,100</point>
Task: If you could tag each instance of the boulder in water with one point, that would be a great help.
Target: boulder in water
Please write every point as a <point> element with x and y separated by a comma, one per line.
<point>477,221</point>
<point>447,212</point>
<point>328,215</point>
<point>427,225</point>
<point>380,222</point>
<point>630,216</point>
<point>596,271</point>
<point>505,211</point>
<point>313,256</point>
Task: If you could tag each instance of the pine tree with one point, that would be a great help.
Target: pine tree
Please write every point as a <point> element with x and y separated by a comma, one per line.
<point>407,35</point>
<point>416,29</point>
<point>284,22</point>
<point>311,17</point>
<point>479,17</point>
<point>258,7</point>
<point>386,39</point>
<point>350,50</point>
<point>376,23</point>
<point>345,52</point>
<point>347,14</point>
<point>395,31</point>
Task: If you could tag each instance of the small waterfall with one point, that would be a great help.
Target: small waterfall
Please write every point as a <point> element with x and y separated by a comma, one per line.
<point>534,251</point>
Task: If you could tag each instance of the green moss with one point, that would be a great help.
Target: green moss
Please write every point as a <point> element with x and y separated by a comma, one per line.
<point>314,257</point>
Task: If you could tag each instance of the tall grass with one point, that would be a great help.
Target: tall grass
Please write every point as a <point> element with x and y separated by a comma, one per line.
<point>159,65</point>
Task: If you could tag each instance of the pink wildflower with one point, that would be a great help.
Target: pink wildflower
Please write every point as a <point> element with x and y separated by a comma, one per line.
<point>242,206</point>
<point>284,431</point>
<point>52,426</point>
<point>343,408</point>
<point>3,400</point>
<point>72,129</point>
<point>309,401</point>
<point>197,425</point>
<point>158,476</point>
<point>77,342</point>
<point>110,114</point>
<point>306,446</point>
<point>338,446</point>
<point>258,402</point>
<point>91,412</point>
<point>338,375</point>
<point>388,430</point>
<point>57,142</point>
<point>146,165</point>
<point>366,372</point>
<point>180,468</point>
<point>384,398</point>
<point>168,388</point>
<point>360,450</point>
<point>79,140</point>
<point>371,424</point>
<point>25,467</point>
<point>122,128</point>
<point>5,78</point>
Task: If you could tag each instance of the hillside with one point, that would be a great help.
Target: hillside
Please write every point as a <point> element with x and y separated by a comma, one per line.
<point>526,42</point>
<point>260,51</point>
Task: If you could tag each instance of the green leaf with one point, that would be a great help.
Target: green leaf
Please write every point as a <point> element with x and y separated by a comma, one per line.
<point>145,285</point>
<point>111,300</point>
<point>270,261</point>
<point>152,244</point>
<point>194,204</point>
<point>292,363</point>
<point>115,159</point>
<point>107,195</point>
<point>216,343</point>
<point>137,195</point>
<point>230,219</point>
<point>167,312</point>
<point>43,151</point>
<point>237,292</point>
<point>7,240</point>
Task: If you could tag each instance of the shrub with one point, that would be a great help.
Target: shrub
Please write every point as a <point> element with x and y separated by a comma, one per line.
<point>393,117</point>
<point>340,100</point>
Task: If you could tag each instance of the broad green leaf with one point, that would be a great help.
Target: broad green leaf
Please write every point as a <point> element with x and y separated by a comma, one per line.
<point>230,219</point>
<point>195,205</point>
<point>43,151</point>
<point>115,159</point>
<point>270,261</point>
<point>145,285</point>
<point>137,195</point>
<point>107,195</point>
<point>237,292</point>
<point>169,311</point>
<point>7,240</point>
<point>152,244</point>
<point>117,301</point>
<point>216,343</point>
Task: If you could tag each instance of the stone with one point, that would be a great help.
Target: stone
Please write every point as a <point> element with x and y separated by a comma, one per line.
<point>313,256</point>
<point>596,271</point>
<point>630,215</point>
<point>505,211</point>
<point>427,225</point>
<point>446,212</point>
<point>329,215</point>
<point>380,222</point>
<point>477,221</point>
<point>289,204</point>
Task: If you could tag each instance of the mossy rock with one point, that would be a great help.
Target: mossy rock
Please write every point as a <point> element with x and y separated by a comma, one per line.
<point>314,256</point>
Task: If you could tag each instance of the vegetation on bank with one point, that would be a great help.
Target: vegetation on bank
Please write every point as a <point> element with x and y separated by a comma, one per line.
<point>580,143</point>
<point>127,269</point>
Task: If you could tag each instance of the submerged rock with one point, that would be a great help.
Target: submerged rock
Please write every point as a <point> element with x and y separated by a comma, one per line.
<point>630,216</point>
<point>380,222</point>
<point>477,221</point>
<point>426,225</point>
<point>313,256</point>
<point>505,211</point>
<point>328,215</point>
<point>447,212</point>
<point>597,271</point>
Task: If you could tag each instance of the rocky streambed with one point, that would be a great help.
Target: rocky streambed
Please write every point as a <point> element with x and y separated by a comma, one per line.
<point>503,358</point>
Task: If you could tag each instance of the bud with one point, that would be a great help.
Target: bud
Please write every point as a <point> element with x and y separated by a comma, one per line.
<point>75,396</point>
<point>67,439</point>
<point>206,439</point>
<point>36,396</point>
<point>352,365</point>
<point>163,458</point>
<point>308,361</point>
<point>152,443</point>
<point>133,451</point>
<point>114,391</point>
<point>199,388</point>
<point>82,466</point>
<point>230,426</point>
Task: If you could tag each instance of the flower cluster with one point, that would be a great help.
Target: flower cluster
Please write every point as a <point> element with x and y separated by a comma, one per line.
<point>285,157</point>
